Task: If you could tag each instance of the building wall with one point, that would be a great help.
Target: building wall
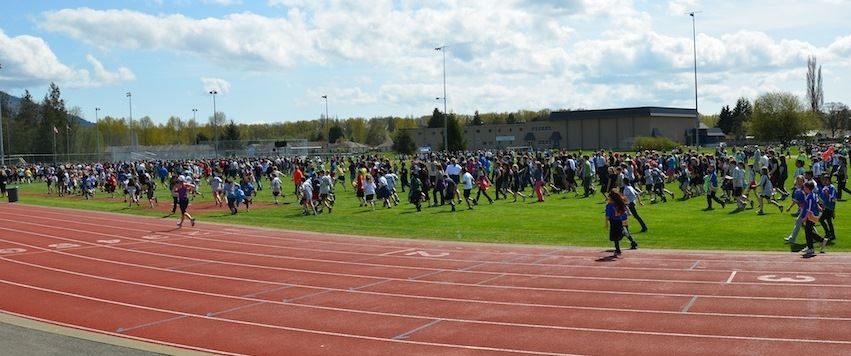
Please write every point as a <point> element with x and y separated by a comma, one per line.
<point>587,133</point>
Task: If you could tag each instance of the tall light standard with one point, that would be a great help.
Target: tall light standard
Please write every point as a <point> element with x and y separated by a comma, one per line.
<point>2,146</point>
<point>97,132</point>
<point>193,133</point>
<point>442,49</point>
<point>215,123</point>
<point>326,109</point>
<point>696,112</point>
<point>132,129</point>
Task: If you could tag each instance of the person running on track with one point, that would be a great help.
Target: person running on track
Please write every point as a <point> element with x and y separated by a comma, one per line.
<point>183,189</point>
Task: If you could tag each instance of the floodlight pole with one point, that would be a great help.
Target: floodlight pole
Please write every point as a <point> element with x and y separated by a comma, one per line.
<point>2,144</point>
<point>215,123</point>
<point>326,108</point>
<point>442,49</point>
<point>97,133</point>
<point>696,112</point>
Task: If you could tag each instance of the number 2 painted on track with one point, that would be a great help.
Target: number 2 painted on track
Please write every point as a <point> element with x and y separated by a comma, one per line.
<point>154,237</point>
<point>796,279</point>
<point>63,245</point>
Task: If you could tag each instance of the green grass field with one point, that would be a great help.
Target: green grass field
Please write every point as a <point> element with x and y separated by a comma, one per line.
<point>561,220</point>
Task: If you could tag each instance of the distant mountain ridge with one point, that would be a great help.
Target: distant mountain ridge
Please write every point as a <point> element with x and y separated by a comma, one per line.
<point>14,103</point>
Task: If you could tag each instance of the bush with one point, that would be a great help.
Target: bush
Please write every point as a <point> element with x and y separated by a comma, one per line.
<point>655,143</point>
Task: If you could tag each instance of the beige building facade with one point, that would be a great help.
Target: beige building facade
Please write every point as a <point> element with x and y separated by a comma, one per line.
<point>582,129</point>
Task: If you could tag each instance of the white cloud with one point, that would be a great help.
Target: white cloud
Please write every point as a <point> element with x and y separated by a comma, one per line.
<point>220,85</point>
<point>681,7</point>
<point>502,53</point>
<point>222,2</point>
<point>28,60</point>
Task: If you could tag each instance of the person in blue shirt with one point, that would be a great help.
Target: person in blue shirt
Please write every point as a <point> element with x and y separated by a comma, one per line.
<point>827,195</point>
<point>713,188</point>
<point>248,190</point>
<point>810,212</point>
<point>616,220</point>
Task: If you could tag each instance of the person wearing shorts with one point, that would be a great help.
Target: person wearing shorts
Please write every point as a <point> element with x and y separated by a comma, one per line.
<point>467,180</point>
<point>276,187</point>
<point>183,189</point>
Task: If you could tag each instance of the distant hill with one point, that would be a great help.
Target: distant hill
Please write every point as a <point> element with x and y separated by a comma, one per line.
<point>14,103</point>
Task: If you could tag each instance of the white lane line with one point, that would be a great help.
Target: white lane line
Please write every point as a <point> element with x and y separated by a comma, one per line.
<point>165,242</point>
<point>278,327</point>
<point>408,333</point>
<point>656,260</point>
<point>501,287</point>
<point>694,265</point>
<point>732,275</point>
<point>331,333</point>
<point>371,241</point>
<point>490,279</point>
<point>122,336</point>
<point>690,303</point>
<point>395,252</point>
<point>395,295</point>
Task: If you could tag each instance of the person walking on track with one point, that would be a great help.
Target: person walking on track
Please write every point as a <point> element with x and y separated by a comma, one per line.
<point>183,189</point>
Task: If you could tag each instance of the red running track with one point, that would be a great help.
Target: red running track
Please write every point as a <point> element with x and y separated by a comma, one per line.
<point>228,289</point>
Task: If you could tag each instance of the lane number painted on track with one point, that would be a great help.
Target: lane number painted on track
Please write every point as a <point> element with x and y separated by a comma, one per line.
<point>63,245</point>
<point>6,251</point>
<point>196,233</point>
<point>426,254</point>
<point>154,237</point>
<point>796,279</point>
<point>109,241</point>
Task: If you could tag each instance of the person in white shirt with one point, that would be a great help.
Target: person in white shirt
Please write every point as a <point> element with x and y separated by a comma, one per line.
<point>738,174</point>
<point>467,181</point>
<point>369,190</point>
<point>632,195</point>
<point>307,197</point>
<point>216,187</point>
<point>276,187</point>
<point>325,184</point>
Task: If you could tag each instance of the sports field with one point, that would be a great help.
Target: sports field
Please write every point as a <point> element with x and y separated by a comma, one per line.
<point>561,220</point>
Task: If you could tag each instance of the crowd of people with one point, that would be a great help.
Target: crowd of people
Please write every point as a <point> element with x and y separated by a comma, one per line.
<point>746,176</point>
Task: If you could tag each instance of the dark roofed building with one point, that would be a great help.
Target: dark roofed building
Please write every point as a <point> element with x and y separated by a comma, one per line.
<point>580,129</point>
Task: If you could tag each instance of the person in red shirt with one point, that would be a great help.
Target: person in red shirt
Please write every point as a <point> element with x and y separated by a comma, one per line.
<point>297,176</point>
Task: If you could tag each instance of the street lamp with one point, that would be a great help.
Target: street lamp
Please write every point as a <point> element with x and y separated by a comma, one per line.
<point>696,112</point>
<point>193,114</point>
<point>442,49</point>
<point>132,129</point>
<point>97,132</point>
<point>326,108</point>
<point>215,123</point>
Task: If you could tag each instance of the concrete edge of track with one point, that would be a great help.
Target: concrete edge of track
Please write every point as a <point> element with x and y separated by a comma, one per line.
<point>90,336</point>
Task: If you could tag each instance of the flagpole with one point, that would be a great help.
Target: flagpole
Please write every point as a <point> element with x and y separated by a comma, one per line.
<point>68,142</point>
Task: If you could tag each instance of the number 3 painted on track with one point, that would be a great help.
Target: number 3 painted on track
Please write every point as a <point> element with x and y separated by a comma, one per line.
<point>796,279</point>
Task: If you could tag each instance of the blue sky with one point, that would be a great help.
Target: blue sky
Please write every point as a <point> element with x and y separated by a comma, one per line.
<point>273,60</point>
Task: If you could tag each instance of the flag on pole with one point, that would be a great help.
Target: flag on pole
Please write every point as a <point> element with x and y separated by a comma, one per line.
<point>55,130</point>
<point>68,127</point>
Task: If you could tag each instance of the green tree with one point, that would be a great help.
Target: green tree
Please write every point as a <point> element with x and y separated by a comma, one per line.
<point>335,133</point>
<point>741,114</point>
<point>436,119</point>
<point>836,118</point>
<point>403,143</point>
<point>455,135</point>
<point>53,115</point>
<point>477,120</point>
<point>725,120</point>
<point>779,116</point>
<point>511,119</point>
<point>230,137</point>
<point>25,126</point>
<point>376,132</point>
